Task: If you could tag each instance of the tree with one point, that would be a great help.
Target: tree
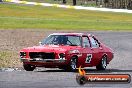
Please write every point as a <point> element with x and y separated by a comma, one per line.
<point>64,2</point>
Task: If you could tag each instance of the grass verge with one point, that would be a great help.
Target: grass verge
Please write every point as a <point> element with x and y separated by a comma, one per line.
<point>37,17</point>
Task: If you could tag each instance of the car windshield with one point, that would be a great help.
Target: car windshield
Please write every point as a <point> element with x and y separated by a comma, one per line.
<point>71,40</point>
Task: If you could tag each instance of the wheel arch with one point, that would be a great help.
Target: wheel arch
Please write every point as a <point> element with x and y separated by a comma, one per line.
<point>75,56</point>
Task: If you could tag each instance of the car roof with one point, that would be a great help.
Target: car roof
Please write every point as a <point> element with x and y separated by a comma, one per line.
<point>76,34</point>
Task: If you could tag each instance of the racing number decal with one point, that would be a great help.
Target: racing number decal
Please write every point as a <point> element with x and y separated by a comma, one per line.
<point>88,58</point>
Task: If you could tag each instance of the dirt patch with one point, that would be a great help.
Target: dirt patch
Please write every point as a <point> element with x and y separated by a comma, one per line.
<point>12,41</point>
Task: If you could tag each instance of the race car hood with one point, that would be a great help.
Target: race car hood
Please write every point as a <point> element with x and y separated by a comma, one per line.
<point>49,48</point>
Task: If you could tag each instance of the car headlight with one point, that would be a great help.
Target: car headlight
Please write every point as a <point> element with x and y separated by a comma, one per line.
<point>22,54</point>
<point>62,56</point>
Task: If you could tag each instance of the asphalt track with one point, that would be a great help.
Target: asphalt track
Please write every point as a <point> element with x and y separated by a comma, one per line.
<point>120,42</point>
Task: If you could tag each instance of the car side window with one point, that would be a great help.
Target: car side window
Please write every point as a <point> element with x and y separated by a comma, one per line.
<point>86,42</point>
<point>94,42</point>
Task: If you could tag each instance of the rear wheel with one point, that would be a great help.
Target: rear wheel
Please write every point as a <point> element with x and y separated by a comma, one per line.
<point>28,67</point>
<point>103,63</point>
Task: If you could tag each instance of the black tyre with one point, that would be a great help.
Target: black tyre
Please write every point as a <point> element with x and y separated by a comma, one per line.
<point>103,63</point>
<point>72,66</point>
<point>28,67</point>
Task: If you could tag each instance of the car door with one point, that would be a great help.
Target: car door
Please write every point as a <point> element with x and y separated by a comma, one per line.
<point>87,52</point>
<point>96,50</point>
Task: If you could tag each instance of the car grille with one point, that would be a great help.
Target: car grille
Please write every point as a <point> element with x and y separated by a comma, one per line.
<point>42,55</point>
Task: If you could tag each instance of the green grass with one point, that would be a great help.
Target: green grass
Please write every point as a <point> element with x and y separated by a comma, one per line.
<point>37,17</point>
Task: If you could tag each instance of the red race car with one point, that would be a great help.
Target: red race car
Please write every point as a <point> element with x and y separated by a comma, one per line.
<point>67,51</point>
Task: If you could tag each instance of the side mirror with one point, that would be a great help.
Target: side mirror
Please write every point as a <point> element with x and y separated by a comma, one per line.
<point>40,43</point>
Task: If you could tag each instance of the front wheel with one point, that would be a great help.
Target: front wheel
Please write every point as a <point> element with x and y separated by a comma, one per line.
<point>103,63</point>
<point>73,64</point>
<point>28,67</point>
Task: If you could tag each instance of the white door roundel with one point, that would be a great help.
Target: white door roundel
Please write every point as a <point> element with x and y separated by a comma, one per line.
<point>88,58</point>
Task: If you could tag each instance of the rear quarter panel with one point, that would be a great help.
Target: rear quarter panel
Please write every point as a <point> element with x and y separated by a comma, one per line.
<point>109,52</point>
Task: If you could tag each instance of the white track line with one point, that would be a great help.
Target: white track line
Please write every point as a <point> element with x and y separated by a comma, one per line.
<point>72,7</point>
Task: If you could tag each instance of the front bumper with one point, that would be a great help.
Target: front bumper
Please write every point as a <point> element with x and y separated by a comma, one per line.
<point>43,60</point>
